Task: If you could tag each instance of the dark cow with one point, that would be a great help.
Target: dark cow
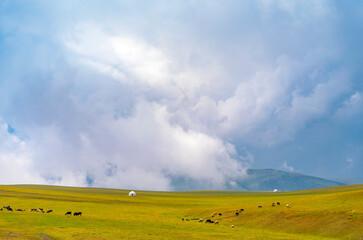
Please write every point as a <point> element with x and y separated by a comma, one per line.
<point>242,210</point>
<point>273,205</point>
<point>41,209</point>
<point>209,221</point>
<point>259,206</point>
<point>68,213</point>
<point>33,209</point>
<point>278,203</point>
<point>77,214</point>
<point>220,214</point>
<point>182,219</point>
<point>19,210</point>
<point>49,211</point>
<point>237,213</point>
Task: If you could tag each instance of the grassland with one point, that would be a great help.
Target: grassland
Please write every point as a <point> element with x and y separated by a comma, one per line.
<point>328,213</point>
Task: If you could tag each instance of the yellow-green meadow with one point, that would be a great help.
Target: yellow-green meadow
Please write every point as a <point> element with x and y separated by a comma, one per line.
<point>328,213</point>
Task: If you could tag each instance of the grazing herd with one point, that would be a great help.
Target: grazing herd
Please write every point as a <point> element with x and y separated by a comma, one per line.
<point>237,213</point>
<point>74,214</point>
<point>41,210</point>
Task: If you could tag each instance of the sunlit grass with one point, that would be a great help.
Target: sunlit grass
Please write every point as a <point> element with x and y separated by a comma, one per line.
<point>331,213</point>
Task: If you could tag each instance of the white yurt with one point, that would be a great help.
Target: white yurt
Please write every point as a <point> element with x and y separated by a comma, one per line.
<point>275,190</point>
<point>132,194</point>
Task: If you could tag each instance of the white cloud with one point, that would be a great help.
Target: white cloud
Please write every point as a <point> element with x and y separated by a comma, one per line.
<point>15,161</point>
<point>351,107</point>
<point>350,163</point>
<point>141,151</point>
<point>287,167</point>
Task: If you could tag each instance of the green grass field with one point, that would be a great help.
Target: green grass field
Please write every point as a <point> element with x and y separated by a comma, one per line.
<point>329,213</point>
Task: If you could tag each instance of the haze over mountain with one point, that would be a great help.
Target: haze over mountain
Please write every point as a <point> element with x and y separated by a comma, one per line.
<point>349,181</point>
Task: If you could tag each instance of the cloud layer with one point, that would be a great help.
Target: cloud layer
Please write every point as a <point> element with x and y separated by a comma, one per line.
<point>134,95</point>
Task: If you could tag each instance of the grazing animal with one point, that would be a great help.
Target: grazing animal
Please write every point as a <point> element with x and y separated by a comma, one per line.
<point>182,219</point>
<point>19,210</point>
<point>242,209</point>
<point>49,211</point>
<point>187,219</point>
<point>68,213</point>
<point>200,220</point>
<point>209,221</point>
<point>33,209</point>
<point>259,206</point>
<point>77,214</point>
<point>41,209</point>
<point>278,203</point>
<point>273,205</point>
<point>237,213</point>
<point>232,226</point>
<point>8,208</point>
<point>288,206</point>
<point>220,214</point>
<point>216,222</point>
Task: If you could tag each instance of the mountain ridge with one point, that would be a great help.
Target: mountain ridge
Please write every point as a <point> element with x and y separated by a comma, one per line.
<point>261,180</point>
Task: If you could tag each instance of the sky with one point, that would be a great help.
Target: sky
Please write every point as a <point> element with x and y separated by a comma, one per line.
<point>134,94</point>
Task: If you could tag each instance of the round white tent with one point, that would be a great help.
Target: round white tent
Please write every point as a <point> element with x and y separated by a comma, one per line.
<point>132,194</point>
<point>275,190</point>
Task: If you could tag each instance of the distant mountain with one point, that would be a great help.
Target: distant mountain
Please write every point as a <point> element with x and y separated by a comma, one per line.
<point>261,180</point>
<point>270,179</point>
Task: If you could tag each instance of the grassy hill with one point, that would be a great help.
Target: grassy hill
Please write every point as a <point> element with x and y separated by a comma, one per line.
<point>328,213</point>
